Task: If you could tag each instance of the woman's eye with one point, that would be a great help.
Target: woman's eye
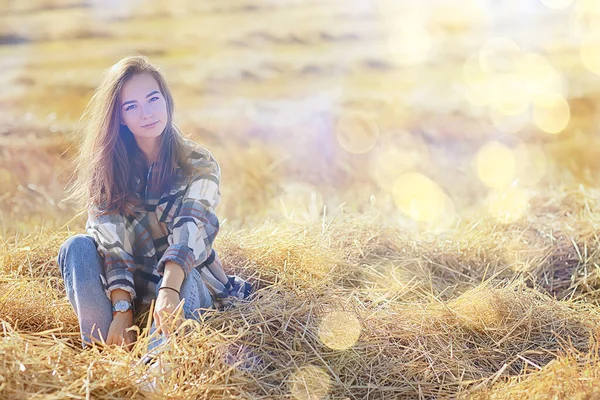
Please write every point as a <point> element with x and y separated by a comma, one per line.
<point>154,98</point>
<point>130,107</point>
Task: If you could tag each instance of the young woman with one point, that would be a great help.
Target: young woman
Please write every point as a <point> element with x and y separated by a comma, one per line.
<point>151,196</point>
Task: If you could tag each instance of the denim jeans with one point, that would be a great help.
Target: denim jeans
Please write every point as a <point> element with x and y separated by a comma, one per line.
<point>80,267</point>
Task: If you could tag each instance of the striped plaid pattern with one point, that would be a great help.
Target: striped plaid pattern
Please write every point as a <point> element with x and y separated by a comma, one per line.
<point>179,225</point>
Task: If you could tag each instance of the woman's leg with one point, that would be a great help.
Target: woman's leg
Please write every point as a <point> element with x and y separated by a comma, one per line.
<point>196,295</point>
<point>197,300</point>
<point>80,267</point>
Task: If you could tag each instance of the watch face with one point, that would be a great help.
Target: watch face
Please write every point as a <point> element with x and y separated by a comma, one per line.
<point>122,306</point>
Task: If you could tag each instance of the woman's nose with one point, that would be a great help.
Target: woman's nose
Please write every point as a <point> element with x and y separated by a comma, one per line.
<point>146,111</point>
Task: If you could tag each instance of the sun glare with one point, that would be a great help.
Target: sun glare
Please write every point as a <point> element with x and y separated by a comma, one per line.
<point>357,133</point>
<point>421,198</point>
<point>301,202</point>
<point>309,382</point>
<point>495,165</point>
<point>410,43</point>
<point>551,114</point>
<point>339,330</point>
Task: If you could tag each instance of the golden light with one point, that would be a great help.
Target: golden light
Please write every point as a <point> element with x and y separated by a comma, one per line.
<point>473,74</point>
<point>589,6</point>
<point>499,55</point>
<point>459,17</point>
<point>410,43</point>
<point>478,82</point>
<point>508,95</point>
<point>393,161</point>
<point>532,164</point>
<point>357,133</point>
<point>557,4</point>
<point>339,330</point>
<point>551,114</point>
<point>509,205</point>
<point>477,96</point>
<point>495,165</point>
<point>309,382</point>
<point>509,123</point>
<point>421,198</point>
<point>590,53</point>
<point>301,202</point>
<point>388,281</point>
<point>585,19</point>
<point>538,77</point>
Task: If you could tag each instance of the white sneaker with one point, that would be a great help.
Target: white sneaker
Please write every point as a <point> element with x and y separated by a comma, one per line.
<point>158,368</point>
<point>155,376</point>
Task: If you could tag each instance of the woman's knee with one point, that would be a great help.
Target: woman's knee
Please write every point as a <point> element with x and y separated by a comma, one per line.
<point>78,242</point>
<point>82,246</point>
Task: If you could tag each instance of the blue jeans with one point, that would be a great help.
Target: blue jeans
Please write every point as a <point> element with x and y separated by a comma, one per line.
<point>80,267</point>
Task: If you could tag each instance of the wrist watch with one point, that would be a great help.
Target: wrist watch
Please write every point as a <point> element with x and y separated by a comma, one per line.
<point>122,306</point>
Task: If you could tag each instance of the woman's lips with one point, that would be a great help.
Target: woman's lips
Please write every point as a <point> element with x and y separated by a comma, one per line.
<point>152,125</point>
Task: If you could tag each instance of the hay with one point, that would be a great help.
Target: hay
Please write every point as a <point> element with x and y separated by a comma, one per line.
<point>347,308</point>
<point>573,375</point>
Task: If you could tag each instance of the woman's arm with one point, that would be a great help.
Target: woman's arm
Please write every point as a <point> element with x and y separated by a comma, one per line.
<point>173,275</point>
<point>112,232</point>
<point>195,226</point>
<point>117,331</point>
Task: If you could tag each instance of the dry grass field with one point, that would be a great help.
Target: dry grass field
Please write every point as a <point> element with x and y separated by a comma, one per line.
<point>412,189</point>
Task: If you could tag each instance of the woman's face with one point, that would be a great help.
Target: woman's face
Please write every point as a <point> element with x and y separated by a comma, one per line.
<point>143,107</point>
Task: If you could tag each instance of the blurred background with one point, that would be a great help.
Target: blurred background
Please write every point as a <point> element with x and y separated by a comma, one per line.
<point>420,111</point>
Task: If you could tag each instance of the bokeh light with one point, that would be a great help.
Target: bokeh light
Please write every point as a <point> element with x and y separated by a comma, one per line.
<point>508,205</point>
<point>499,55</point>
<point>466,16</point>
<point>473,74</point>
<point>509,81</point>
<point>585,19</point>
<point>557,4</point>
<point>339,330</point>
<point>478,81</point>
<point>538,77</point>
<point>508,95</point>
<point>509,123</point>
<point>495,165</point>
<point>301,202</point>
<point>394,160</point>
<point>389,281</point>
<point>410,43</point>
<point>421,198</point>
<point>357,133</point>
<point>551,114</point>
<point>531,162</point>
<point>309,382</point>
<point>590,53</point>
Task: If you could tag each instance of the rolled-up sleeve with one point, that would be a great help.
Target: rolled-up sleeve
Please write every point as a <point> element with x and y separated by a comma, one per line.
<point>195,225</point>
<point>111,232</point>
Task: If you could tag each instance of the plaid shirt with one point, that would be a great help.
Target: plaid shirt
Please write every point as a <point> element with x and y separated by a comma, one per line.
<point>179,225</point>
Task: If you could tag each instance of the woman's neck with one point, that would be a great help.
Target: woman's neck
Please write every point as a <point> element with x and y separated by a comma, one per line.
<point>150,147</point>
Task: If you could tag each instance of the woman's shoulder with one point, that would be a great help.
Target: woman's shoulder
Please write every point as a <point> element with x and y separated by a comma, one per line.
<point>197,155</point>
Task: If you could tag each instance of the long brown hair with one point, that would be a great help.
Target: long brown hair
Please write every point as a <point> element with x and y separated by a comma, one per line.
<point>109,158</point>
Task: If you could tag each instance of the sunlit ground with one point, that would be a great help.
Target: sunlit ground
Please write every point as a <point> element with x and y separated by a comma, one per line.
<point>472,122</point>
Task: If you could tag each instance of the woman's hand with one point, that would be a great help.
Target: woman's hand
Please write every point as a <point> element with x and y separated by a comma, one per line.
<point>117,332</point>
<point>165,310</point>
